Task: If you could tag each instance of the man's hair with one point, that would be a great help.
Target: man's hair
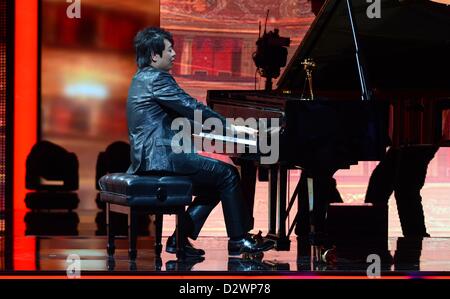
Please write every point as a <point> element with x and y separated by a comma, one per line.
<point>150,41</point>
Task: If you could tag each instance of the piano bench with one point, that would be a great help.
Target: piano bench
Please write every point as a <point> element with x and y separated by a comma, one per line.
<point>137,194</point>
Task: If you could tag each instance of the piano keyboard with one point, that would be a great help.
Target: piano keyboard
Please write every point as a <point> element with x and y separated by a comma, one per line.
<point>230,139</point>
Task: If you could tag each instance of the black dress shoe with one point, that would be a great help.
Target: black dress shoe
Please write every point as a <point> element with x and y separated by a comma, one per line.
<point>189,249</point>
<point>249,245</point>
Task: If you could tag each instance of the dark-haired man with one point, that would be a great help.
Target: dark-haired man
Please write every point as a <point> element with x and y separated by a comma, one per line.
<point>154,101</point>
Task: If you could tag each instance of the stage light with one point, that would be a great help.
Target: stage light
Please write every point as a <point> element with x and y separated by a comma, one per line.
<point>86,90</point>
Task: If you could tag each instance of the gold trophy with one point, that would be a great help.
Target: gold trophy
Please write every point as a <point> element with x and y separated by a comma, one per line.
<point>309,65</point>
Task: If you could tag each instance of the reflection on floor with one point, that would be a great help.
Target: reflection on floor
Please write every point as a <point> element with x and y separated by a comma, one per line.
<point>395,254</point>
<point>51,223</point>
<point>45,240</point>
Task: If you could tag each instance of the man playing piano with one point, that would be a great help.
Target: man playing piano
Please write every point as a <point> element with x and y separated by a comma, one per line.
<point>154,101</point>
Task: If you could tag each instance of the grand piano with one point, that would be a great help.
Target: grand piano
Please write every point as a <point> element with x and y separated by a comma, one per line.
<point>378,82</point>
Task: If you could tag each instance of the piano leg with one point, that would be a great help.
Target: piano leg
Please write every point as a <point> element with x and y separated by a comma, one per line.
<point>315,246</point>
<point>315,192</point>
<point>277,207</point>
<point>277,199</point>
<point>323,189</point>
<point>310,186</point>
<point>281,203</point>
<point>272,200</point>
<point>283,242</point>
<point>322,252</point>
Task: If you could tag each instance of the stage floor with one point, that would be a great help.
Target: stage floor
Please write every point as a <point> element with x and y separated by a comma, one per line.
<point>48,241</point>
<point>396,255</point>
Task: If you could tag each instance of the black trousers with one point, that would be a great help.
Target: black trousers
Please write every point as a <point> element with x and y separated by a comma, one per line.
<point>214,181</point>
<point>248,182</point>
<point>403,171</point>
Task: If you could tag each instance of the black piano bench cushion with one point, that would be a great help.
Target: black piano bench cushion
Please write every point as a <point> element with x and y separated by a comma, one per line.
<point>149,191</point>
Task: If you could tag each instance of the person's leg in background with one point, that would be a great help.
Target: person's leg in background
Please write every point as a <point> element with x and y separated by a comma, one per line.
<point>382,180</point>
<point>407,254</point>
<point>413,164</point>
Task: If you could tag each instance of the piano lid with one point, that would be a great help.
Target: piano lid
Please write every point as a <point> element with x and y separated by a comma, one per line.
<point>407,48</point>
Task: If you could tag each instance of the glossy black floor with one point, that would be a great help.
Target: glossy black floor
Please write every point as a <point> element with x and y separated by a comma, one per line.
<point>52,250</point>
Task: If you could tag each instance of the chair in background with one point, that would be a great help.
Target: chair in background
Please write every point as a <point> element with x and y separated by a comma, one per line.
<point>115,158</point>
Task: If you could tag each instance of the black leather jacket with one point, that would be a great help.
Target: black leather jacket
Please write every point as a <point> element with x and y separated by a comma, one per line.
<point>154,101</point>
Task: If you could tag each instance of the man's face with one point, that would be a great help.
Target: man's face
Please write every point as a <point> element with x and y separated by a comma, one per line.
<point>164,62</point>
